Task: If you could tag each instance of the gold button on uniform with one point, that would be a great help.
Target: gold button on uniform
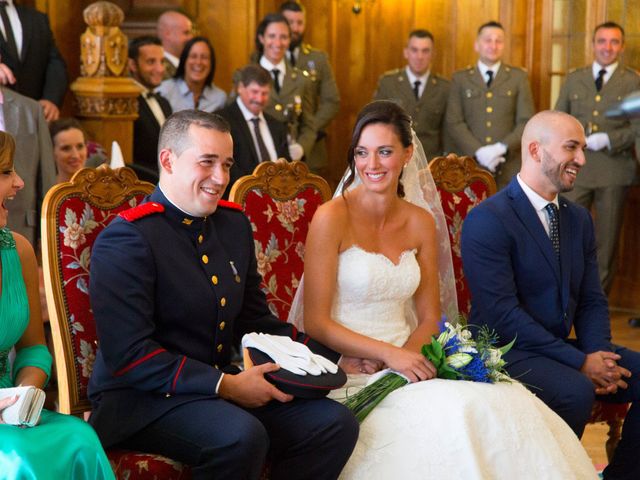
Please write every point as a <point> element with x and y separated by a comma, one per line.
<point>214,280</point>
<point>598,98</point>
<point>489,109</point>
<point>205,259</point>
<point>278,107</point>
<point>219,348</point>
<point>221,326</point>
<point>596,113</point>
<point>489,124</point>
<point>200,238</point>
<point>223,302</point>
<point>594,128</point>
<point>487,139</point>
<point>489,94</point>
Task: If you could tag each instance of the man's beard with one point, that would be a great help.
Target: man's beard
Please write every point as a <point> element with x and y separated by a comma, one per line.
<point>295,43</point>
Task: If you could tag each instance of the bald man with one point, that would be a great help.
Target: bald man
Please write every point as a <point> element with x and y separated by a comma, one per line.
<point>174,30</point>
<point>529,257</point>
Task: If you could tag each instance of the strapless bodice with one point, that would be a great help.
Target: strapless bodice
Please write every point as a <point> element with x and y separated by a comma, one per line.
<point>373,293</point>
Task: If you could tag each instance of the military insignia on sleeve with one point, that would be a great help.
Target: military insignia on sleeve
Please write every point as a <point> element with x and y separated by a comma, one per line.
<point>140,211</point>
<point>231,205</point>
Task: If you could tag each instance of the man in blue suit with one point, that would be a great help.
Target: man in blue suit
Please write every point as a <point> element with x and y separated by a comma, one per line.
<point>174,285</point>
<point>529,257</point>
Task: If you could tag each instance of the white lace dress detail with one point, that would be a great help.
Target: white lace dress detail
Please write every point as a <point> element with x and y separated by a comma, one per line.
<point>443,429</point>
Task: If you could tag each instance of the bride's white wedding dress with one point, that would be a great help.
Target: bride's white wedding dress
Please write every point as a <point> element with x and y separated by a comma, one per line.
<point>442,429</point>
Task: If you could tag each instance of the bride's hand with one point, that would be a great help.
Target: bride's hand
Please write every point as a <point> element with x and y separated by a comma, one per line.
<point>354,365</point>
<point>412,365</point>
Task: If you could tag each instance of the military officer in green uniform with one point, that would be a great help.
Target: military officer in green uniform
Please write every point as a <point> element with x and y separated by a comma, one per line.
<point>489,104</point>
<point>174,29</point>
<point>314,65</point>
<point>422,93</point>
<point>611,167</point>
<point>291,99</point>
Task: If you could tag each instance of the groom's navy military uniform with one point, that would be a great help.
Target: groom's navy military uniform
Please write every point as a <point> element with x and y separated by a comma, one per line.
<point>171,295</point>
<point>523,290</point>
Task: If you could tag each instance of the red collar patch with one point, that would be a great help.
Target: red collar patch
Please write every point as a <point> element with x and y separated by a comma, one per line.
<point>232,205</point>
<point>142,210</point>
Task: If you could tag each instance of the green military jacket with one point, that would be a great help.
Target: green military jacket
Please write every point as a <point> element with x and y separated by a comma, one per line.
<point>427,112</point>
<point>478,115</point>
<point>579,97</point>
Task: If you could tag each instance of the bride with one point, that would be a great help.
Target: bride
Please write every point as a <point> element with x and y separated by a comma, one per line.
<point>377,277</point>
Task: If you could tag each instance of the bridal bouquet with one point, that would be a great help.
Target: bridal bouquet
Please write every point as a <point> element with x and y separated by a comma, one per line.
<point>456,356</point>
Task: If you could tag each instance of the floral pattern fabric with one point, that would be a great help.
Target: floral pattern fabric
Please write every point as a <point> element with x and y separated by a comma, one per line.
<point>456,207</point>
<point>280,231</point>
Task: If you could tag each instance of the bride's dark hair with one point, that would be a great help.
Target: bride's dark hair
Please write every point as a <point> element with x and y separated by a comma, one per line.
<point>387,113</point>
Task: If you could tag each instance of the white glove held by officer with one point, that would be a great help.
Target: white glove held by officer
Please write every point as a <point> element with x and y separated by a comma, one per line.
<point>598,141</point>
<point>296,152</point>
<point>487,155</point>
<point>290,355</point>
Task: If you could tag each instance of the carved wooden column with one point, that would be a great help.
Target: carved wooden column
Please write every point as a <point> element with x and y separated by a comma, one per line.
<point>106,97</point>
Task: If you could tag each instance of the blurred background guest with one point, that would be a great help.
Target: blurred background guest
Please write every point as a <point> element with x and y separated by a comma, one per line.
<point>69,147</point>
<point>174,29</point>
<point>192,86</point>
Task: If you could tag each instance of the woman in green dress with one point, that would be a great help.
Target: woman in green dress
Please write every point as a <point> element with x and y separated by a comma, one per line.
<point>60,446</point>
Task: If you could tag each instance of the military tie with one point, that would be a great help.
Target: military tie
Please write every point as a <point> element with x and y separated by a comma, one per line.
<point>292,57</point>
<point>600,79</point>
<point>8,31</point>
<point>263,152</point>
<point>416,89</point>
<point>490,79</point>
<point>554,228</point>
<point>276,82</point>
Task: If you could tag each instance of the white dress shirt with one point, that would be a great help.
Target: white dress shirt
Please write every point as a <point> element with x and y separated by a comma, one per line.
<point>596,67</point>
<point>422,79</point>
<point>269,67</point>
<point>485,68</point>
<point>264,131</point>
<point>539,203</point>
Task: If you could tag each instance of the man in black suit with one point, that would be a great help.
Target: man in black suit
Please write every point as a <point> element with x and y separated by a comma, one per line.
<point>147,68</point>
<point>249,148</point>
<point>30,62</point>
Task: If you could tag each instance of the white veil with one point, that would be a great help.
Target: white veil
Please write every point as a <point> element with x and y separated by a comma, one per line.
<point>420,189</point>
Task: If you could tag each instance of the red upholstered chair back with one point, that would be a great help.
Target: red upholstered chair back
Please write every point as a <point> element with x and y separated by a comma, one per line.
<point>279,199</point>
<point>461,185</point>
<point>73,214</point>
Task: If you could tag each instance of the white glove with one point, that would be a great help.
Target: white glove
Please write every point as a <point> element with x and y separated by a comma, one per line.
<point>290,355</point>
<point>598,141</point>
<point>487,154</point>
<point>296,152</point>
<point>493,164</point>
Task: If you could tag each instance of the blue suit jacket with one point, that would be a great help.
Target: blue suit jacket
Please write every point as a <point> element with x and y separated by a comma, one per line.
<point>519,289</point>
<point>171,294</point>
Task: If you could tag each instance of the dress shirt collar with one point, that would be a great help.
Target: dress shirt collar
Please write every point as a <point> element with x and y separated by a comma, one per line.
<point>596,67</point>
<point>246,113</point>
<point>282,66</point>
<point>175,212</point>
<point>538,202</point>
<point>412,78</point>
<point>175,61</point>
<point>484,68</point>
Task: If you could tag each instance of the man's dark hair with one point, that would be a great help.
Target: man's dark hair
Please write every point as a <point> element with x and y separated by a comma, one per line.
<point>609,25</point>
<point>137,43</point>
<point>422,33</point>
<point>268,19</point>
<point>254,73</point>
<point>491,24</point>
<point>174,134</point>
<point>185,54</point>
<point>292,7</point>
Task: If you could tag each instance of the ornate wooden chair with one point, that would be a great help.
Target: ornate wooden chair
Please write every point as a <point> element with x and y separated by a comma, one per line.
<point>280,199</point>
<point>461,185</point>
<point>73,214</point>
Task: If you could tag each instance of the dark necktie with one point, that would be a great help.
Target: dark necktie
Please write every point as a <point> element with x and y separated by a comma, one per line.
<point>276,82</point>
<point>8,31</point>
<point>263,152</point>
<point>292,57</point>
<point>490,79</point>
<point>416,89</point>
<point>600,79</point>
<point>554,227</point>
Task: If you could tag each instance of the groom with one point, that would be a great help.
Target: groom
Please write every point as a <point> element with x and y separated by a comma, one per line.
<point>530,259</point>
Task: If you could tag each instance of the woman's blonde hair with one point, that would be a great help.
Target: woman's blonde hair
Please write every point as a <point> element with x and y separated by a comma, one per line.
<point>7,149</point>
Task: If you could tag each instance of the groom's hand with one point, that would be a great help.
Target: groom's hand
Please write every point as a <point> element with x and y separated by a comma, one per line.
<point>605,373</point>
<point>250,389</point>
